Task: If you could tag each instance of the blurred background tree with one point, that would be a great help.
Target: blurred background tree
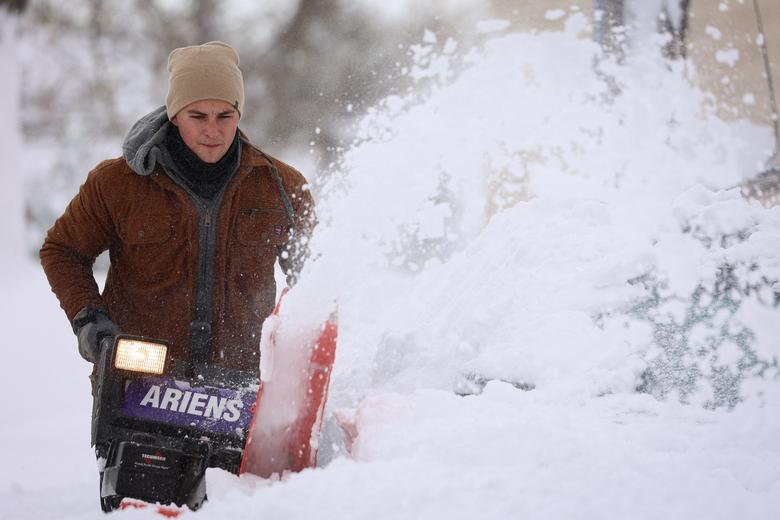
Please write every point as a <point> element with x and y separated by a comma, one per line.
<point>12,195</point>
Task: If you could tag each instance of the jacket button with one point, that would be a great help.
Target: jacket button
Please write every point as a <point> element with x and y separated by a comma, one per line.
<point>141,233</point>
<point>264,235</point>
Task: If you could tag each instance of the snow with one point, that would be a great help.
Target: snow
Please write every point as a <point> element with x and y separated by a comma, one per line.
<point>554,14</point>
<point>727,56</point>
<point>488,228</point>
<point>491,26</point>
<point>713,32</point>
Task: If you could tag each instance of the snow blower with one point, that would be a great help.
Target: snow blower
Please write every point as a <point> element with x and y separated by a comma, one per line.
<point>159,423</point>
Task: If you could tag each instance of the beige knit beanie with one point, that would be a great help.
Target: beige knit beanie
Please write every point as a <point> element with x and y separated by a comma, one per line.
<point>208,71</point>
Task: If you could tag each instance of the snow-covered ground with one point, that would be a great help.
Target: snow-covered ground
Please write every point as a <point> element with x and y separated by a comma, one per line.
<point>504,226</point>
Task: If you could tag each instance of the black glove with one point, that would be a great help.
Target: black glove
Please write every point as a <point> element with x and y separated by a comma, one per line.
<point>92,326</point>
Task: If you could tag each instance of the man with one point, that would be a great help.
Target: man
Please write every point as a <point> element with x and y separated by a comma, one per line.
<point>194,218</point>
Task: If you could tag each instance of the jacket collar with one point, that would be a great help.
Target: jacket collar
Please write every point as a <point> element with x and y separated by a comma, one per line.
<point>142,147</point>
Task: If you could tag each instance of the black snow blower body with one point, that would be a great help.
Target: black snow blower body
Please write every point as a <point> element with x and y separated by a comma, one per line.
<point>159,423</point>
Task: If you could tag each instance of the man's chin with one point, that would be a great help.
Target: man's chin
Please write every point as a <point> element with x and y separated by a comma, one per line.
<point>211,156</point>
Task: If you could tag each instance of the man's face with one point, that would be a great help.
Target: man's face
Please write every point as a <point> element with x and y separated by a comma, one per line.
<point>207,127</point>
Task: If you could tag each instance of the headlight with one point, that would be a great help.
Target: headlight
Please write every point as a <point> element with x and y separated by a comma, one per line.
<point>140,356</point>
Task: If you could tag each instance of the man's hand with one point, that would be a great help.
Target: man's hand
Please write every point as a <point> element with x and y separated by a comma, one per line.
<point>92,326</point>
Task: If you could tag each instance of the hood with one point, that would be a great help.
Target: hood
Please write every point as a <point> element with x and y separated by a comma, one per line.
<point>142,146</point>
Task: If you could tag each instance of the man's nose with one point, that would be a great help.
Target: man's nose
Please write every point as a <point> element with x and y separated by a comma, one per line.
<point>211,127</point>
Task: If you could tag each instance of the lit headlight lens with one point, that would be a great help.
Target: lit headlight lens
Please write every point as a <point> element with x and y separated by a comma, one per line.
<point>140,356</point>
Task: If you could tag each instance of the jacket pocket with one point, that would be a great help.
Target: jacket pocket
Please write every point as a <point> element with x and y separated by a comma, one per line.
<point>150,259</point>
<point>262,226</point>
<point>148,229</point>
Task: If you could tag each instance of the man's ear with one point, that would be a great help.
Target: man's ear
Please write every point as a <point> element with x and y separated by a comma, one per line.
<point>175,121</point>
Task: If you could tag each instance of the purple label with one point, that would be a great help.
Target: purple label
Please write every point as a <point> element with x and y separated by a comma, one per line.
<point>218,410</point>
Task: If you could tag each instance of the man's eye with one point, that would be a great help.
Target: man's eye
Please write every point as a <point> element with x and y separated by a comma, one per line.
<point>225,116</point>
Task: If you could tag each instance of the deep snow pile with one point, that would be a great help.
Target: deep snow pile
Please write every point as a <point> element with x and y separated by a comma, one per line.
<point>533,222</point>
<point>578,232</point>
<point>594,194</point>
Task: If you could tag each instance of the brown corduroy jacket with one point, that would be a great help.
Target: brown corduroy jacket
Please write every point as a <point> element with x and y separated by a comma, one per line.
<point>159,262</point>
